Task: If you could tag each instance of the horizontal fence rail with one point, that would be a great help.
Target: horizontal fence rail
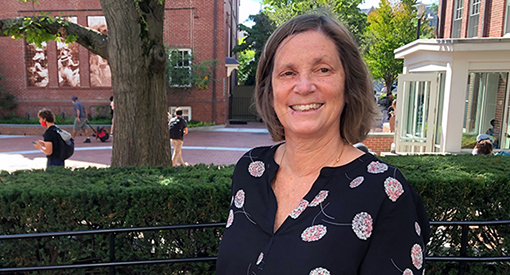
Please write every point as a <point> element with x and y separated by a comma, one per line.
<point>112,232</point>
<point>462,259</point>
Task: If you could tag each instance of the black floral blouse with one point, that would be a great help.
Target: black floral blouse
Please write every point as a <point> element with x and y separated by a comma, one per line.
<point>359,218</point>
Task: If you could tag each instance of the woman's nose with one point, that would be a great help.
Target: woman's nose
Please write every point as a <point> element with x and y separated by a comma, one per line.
<point>304,84</point>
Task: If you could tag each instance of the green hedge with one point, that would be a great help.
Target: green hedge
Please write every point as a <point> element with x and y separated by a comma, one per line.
<point>462,187</point>
<point>65,200</point>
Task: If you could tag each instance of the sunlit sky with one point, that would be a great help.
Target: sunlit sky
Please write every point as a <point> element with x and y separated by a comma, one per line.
<point>248,7</point>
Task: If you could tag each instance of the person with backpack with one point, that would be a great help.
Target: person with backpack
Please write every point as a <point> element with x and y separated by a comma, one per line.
<point>53,144</point>
<point>178,128</point>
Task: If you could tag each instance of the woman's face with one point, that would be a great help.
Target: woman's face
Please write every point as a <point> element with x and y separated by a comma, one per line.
<point>308,85</point>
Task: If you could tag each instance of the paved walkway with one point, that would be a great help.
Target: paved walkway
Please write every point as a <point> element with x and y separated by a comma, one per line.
<point>216,145</point>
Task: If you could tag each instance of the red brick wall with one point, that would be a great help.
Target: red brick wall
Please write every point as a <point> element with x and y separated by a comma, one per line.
<point>379,142</point>
<point>185,26</point>
<point>35,130</point>
<point>492,18</point>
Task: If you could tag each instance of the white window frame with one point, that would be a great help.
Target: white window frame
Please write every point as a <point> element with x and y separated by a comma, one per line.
<point>182,52</point>
<point>474,18</point>
<point>457,18</point>
<point>507,18</point>
<point>186,111</point>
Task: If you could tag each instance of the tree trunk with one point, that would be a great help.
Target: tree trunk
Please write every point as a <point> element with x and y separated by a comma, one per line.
<point>138,81</point>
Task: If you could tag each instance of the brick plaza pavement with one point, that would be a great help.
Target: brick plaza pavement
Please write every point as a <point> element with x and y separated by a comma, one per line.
<point>216,145</point>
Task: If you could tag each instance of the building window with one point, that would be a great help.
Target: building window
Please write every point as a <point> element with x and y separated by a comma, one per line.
<point>457,18</point>
<point>507,19</point>
<point>180,75</point>
<point>474,18</point>
<point>486,93</point>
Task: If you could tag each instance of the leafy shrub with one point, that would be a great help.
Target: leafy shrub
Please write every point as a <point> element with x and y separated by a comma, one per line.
<point>456,188</point>
<point>65,200</point>
<point>463,188</point>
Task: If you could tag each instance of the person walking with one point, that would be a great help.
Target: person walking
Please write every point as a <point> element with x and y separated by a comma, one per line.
<point>50,144</point>
<point>112,107</point>
<point>80,122</point>
<point>178,128</point>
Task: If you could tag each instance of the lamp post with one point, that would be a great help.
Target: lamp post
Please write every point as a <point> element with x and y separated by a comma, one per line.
<point>420,9</point>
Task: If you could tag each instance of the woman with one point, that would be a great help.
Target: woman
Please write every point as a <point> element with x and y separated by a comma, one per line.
<point>50,145</point>
<point>484,145</point>
<point>314,204</point>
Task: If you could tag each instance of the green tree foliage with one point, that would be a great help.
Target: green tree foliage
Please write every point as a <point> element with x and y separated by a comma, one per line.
<point>255,39</point>
<point>245,58</point>
<point>391,26</point>
<point>183,72</point>
<point>346,11</point>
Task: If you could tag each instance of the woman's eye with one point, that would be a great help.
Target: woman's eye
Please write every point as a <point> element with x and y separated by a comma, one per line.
<point>287,74</point>
<point>324,70</point>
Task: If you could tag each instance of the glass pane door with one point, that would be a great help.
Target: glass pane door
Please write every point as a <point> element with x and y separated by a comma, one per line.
<point>416,113</point>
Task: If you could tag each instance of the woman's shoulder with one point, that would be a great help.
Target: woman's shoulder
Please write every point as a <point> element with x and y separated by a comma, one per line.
<point>257,160</point>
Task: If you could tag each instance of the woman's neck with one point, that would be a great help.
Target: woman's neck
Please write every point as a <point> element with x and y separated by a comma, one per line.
<point>305,157</point>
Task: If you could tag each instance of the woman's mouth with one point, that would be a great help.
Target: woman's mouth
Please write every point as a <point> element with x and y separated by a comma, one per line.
<point>306,107</point>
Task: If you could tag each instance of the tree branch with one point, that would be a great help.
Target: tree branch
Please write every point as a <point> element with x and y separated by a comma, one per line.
<point>92,40</point>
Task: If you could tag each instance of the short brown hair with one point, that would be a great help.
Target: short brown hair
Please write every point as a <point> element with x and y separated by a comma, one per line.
<point>358,115</point>
<point>484,147</point>
<point>47,114</point>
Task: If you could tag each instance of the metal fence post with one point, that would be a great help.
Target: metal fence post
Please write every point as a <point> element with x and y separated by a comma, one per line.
<point>463,249</point>
<point>112,253</point>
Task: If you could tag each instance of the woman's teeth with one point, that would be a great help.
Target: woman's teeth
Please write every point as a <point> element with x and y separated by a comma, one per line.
<point>306,107</point>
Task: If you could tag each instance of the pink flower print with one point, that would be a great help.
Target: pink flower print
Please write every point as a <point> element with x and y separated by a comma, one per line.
<point>357,182</point>
<point>230,219</point>
<point>256,168</point>
<point>239,199</point>
<point>408,272</point>
<point>417,228</point>
<point>376,167</point>
<point>323,194</point>
<point>362,225</point>
<point>299,209</point>
<point>261,257</point>
<point>320,271</point>
<point>314,233</point>
<point>417,256</point>
<point>393,188</point>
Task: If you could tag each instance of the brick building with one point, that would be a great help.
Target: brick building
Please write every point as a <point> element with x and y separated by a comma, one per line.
<point>452,87</point>
<point>51,75</point>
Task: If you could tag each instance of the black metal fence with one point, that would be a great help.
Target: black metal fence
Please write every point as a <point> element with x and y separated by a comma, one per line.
<point>462,259</point>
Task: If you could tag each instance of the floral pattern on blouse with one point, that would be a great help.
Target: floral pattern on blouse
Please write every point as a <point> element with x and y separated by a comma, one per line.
<point>299,209</point>
<point>320,271</point>
<point>230,219</point>
<point>260,258</point>
<point>417,228</point>
<point>362,225</point>
<point>417,256</point>
<point>323,194</point>
<point>314,226</point>
<point>357,182</point>
<point>376,167</point>
<point>239,199</point>
<point>256,168</point>
<point>314,233</point>
<point>393,188</point>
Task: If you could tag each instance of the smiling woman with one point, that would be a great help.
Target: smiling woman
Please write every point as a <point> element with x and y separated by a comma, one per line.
<point>314,204</point>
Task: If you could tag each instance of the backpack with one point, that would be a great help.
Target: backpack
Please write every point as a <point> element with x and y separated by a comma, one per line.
<point>175,130</point>
<point>66,143</point>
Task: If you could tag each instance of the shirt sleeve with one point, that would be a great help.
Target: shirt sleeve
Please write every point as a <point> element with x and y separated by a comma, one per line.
<point>400,232</point>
